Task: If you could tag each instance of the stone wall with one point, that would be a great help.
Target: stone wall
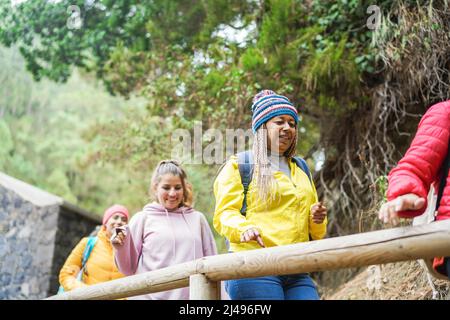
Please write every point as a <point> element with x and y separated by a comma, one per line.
<point>37,232</point>
<point>26,247</point>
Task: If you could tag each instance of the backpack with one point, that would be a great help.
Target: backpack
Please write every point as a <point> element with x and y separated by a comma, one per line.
<point>429,216</point>
<point>245,164</point>
<point>442,184</point>
<point>86,253</point>
<point>444,175</point>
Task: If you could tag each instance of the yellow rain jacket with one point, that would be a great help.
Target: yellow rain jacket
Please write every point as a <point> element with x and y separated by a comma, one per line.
<point>100,266</point>
<point>282,222</point>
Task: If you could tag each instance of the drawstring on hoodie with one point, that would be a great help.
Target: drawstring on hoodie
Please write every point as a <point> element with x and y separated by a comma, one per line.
<point>190,231</point>
<point>171,225</point>
<point>174,251</point>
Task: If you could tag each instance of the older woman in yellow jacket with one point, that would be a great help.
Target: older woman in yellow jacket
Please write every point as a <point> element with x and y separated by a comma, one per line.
<point>282,206</point>
<point>100,266</point>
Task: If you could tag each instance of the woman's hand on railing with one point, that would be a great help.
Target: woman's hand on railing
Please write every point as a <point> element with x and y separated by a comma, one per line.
<point>119,236</point>
<point>318,212</point>
<point>252,234</point>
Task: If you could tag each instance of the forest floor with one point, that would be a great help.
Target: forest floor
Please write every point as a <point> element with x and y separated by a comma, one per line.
<point>393,281</point>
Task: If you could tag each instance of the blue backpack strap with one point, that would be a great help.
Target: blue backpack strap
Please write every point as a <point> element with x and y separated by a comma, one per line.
<point>88,249</point>
<point>245,164</point>
<point>86,253</point>
<point>301,163</point>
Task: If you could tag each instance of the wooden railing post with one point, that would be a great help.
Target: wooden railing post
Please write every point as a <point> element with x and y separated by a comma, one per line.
<point>201,288</point>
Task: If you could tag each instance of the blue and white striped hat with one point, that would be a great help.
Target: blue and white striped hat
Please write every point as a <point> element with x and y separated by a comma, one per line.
<point>267,105</point>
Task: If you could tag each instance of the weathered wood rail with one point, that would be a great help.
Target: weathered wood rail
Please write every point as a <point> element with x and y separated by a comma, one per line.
<point>204,275</point>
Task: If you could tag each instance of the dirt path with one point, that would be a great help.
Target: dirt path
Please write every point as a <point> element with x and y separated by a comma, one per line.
<point>394,281</point>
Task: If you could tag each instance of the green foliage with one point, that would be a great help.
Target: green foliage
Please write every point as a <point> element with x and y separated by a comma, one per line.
<point>381,184</point>
<point>252,60</point>
<point>333,75</point>
<point>96,150</point>
<point>168,53</point>
<point>274,30</point>
<point>308,135</point>
<point>58,180</point>
<point>51,43</point>
<point>214,82</point>
<point>324,70</point>
<point>42,139</point>
<point>5,138</point>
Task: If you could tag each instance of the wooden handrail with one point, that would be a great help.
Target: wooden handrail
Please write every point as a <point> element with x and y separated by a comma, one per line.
<point>363,249</point>
<point>154,281</point>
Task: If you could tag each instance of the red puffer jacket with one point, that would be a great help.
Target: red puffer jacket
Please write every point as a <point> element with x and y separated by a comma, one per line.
<point>421,165</point>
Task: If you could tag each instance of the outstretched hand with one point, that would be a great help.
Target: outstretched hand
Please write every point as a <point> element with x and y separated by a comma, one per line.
<point>389,211</point>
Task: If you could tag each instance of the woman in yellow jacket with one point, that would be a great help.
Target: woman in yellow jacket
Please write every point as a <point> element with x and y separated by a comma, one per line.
<point>282,204</point>
<point>100,266</point>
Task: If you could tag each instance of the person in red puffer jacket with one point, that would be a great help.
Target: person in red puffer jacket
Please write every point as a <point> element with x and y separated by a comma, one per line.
<point>421,167</point>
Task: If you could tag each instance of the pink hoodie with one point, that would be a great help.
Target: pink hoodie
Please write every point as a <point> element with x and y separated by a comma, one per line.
<point>158,238</point>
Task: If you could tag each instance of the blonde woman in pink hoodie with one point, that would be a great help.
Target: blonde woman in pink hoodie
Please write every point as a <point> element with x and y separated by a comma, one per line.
<point>166,232</point>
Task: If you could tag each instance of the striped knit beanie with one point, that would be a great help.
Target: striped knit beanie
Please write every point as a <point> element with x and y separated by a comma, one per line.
<point>267,105</point>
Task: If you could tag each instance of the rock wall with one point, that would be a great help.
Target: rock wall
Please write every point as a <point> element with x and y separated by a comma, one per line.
<point>27,241</point>
<point>37,232</point>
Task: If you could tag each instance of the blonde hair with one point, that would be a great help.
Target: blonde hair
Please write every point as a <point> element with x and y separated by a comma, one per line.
<point>174,168</point>
<point>264,179</point>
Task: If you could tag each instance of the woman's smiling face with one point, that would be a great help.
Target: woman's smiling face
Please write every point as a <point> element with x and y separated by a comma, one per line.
<point>169,191</point>
<point>281,131</point>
